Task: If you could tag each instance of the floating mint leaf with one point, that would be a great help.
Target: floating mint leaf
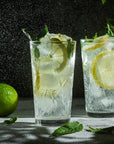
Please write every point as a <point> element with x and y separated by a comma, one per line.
<point>68,128</point>
<point>108,130</point>
<point>28,34</point>
<point>12,120</point>
<point>42,33</point>
<point>36,52</point>
<point>70,48</point>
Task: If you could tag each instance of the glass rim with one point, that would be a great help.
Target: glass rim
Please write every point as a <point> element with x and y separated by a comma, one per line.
<point>37,42</point>
<point>110,39</point>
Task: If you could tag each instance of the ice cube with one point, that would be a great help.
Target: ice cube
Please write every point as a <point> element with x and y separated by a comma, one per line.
<point>45,105</point>
<point>108,101</point>
<point>94,89</point>
<point>48,81</point>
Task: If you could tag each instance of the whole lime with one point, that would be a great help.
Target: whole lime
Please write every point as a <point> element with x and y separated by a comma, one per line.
<point>8,99</point>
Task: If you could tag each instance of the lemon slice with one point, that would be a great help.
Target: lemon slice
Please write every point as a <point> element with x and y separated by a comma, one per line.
<point>101,38</point>
<point>98,42</point>
<point>37,83</point>
<point>45,84</point>
<point>102,69</point>
<point>56,59</point>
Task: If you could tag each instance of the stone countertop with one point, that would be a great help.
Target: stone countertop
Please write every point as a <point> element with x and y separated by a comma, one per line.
<point>25,131</point>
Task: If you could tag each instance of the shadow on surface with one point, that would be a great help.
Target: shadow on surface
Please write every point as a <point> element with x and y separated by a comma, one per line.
<point>104,138</point>
<point>30,133</point>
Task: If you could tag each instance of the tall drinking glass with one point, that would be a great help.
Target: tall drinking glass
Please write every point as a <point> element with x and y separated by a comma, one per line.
<point>98,72</point>
<point>52,74</point>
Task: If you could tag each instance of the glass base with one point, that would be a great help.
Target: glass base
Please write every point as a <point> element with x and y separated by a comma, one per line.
<point>105,115</point>
<point>51,122</point>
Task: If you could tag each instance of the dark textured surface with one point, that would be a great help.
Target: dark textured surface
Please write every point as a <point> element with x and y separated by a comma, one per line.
<point>75,18</point>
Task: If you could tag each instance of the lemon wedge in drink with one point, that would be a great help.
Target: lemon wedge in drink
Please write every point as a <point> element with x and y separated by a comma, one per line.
<point>37,82</point>
<point>97,43</point>
<point>102,69</point>
<point>56,59</point>
<point>52,62</point>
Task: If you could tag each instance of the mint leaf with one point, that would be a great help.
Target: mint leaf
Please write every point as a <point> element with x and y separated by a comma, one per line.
<point>93,130</point>
<point>87,40</point>
<point>108,130</point>
<point>31,38</point>
<point>42,33</point>
<point>28,34</point>
<point>110,30</point>
<point>103,1</point>
<point>12,120</point>
<point>46,28</point>
<point>36,52</point>
<point>95,36</point>
<point>68,128</point>
<point>70,48</point>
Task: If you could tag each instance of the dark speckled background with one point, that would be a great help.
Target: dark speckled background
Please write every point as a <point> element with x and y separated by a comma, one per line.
<point>75,18</point>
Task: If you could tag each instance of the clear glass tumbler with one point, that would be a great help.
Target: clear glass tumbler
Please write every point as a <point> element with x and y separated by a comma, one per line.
<point>52,74</point>
<point>98,72</point>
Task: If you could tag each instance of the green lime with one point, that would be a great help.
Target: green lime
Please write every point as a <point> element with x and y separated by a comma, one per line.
<point>8,99</point>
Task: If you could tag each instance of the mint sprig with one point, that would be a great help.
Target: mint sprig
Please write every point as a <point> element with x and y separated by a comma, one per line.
<point>70,48</point>
<point>110,32</point>
<point>108,130</point>
<point>42,33</point>
<point>110,29</point>
<point>11,120</point>
<point>103,1</point>
<point>68,128</point>
<point>94,37</point>
<point>28,34</point>
<point>86,38</point>
<point>38,38</point>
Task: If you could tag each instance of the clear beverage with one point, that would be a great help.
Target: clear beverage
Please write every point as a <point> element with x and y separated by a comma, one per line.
<point>52,74</point>
<point>98,72</point>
